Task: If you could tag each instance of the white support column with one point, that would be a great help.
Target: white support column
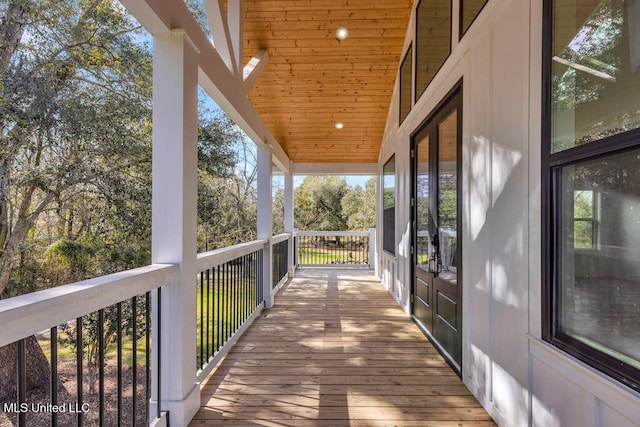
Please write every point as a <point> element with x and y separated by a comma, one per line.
<point>288,217</point>
<point>265,217</point>
<point>379,219</point>
<point>373,253</point>
<point>174,217</point>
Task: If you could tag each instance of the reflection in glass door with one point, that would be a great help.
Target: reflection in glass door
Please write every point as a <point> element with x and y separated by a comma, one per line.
<point>422,246</point>
<point>437,305</point>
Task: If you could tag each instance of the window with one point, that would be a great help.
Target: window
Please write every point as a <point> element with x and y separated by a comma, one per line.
<point>469,9</point>
<point>389,206</point>
<point>584,219</point>
<point>591,173</point>
<point>433,40</point>
<point>406,73</point>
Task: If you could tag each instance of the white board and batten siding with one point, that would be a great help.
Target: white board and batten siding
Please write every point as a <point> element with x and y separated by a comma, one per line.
<point>517,377</point>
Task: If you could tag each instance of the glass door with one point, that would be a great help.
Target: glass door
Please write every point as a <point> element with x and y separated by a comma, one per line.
<point>437,299</point>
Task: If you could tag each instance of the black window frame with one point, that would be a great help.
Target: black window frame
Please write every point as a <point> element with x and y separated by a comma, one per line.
<point>552,165</point>
<point>461,29</point>
<point>418,93</point>
<point>408,56</point>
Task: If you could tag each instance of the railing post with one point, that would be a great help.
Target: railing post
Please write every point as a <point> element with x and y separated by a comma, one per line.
<point>373,253</point>
<point>174,216</point>
<point>288,218</point>
<point>265,218</point>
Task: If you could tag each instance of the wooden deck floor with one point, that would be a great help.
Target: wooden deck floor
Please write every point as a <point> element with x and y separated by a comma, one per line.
<point>336,350</point>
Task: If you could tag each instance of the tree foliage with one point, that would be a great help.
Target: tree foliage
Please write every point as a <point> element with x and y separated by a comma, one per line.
<point>74,121</point>
<point>75,153</point>
<point>327,203</point>
<point>359,206</point>
<point>227,196</point>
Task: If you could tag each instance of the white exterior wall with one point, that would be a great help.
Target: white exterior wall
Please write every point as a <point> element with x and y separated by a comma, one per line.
<point>518,378</point>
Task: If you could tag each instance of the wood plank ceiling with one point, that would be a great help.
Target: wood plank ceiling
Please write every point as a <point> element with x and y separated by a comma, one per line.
<point>313,80</point>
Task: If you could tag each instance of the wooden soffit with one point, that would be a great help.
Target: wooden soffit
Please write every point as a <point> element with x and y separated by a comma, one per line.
<point>313,80</point>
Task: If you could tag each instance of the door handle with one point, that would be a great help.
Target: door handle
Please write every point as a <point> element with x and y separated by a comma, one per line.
<point>434,264</point>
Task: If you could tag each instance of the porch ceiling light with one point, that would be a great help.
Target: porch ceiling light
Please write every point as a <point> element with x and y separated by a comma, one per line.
<point>339,125</point>
<point>342,33</point>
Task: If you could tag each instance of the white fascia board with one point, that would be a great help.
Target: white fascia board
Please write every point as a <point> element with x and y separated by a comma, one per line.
<point>220,33</point>
<point>335,169</point>
<point>214,77</point>
<point>254,68</point>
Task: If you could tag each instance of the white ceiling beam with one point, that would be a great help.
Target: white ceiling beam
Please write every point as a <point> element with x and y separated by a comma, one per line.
<point>252,70</point>
<point>335,169</point>
<point>214,77</point>
<point>235,17</point>
<point>220,33</point>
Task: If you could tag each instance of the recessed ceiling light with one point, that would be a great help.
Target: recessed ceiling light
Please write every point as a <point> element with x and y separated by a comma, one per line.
<point>339,125</point>
<point>342,33</point>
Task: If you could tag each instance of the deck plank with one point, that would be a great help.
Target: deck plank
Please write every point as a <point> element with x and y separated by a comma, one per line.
<point>336,350</point>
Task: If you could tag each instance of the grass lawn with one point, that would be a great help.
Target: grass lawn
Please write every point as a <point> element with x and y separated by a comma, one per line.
<point>319,256</point>
<point>220,311</point>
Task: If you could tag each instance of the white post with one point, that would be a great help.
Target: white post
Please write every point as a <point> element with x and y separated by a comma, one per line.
<point>174,218</point>
<point>372,250</point>
<point>379,217</point>
<point>288,218</point>
<point>265,218</point>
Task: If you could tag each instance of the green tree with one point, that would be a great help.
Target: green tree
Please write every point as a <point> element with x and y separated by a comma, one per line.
<point>74,112</point>
<point>74,123</point>
<point>75,157</point>
<point>227,197</point>
<point>278,205</point>
<point>318,203</point>
<point>359,206</point>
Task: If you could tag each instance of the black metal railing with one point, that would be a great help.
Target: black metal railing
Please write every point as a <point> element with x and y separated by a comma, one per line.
<point>332,249</point>
<point>280,257</point>
<point>99,370</point>
<point>228,294</point>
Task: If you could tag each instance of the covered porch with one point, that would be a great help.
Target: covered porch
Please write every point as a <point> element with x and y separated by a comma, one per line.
<point>283,346</point>
<point>449,105</point>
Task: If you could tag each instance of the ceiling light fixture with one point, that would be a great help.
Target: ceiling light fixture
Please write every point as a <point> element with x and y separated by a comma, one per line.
<point>342,33</point>
<point>339,125</point>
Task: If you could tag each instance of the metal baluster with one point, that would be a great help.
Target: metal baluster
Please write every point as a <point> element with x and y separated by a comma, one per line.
<point>209,317</point>
<point>243,290</point>
<point>79,379</point>
<point>201,361</point>
<point>147,356</point>
<point>216,282</point>
<point>159,321</point>
<point>22,381</point>
<point>134,359</point>
<point>226,304</point>
<point>53,337</point>
<point>119,351</point>
<point>101,367</point>
<point>234,283</point>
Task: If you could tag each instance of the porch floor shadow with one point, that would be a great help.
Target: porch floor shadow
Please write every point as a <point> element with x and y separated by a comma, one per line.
<point>336,350</point>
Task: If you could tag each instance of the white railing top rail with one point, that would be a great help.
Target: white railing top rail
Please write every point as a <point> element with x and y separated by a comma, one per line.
<point>280,238</point>
<point>207,260</point>
<point>29,314</point>
<point>332,233</point>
